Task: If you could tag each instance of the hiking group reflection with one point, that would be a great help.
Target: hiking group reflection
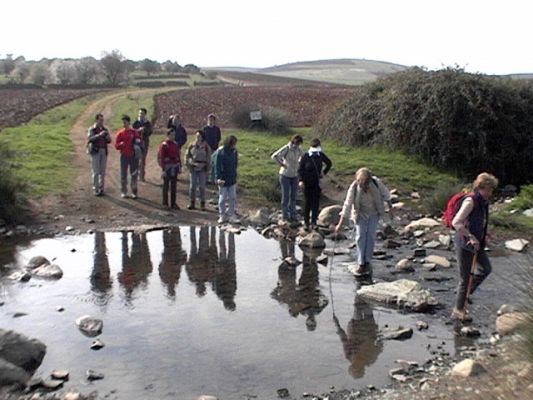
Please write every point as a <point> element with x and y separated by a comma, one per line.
<point>303,297</point>
<point>172,258</point>
<point>136,264</point>
<point>101,282</point>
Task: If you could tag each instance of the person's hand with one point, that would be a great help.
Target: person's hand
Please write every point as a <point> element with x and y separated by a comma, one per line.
<point>472,240</point>
<point>221,182</point>
<point>301,184</point>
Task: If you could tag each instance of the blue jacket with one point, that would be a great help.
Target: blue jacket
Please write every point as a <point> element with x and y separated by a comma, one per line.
<point>226,166</point>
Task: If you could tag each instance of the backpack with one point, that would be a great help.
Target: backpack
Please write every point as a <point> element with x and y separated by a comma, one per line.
<point>452,207</point>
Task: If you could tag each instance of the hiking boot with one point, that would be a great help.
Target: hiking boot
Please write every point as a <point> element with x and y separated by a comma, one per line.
<point>202,205</point>
<point>191,206</point>
<point>175,207</point>
<point>134,196</point>
<point>123,195</point>
<point>461,315</point>
<point>361,270</point>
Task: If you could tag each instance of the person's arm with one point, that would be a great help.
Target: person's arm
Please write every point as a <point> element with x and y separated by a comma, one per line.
<point>91,136</point>
<point>328,163</point>
<point>279,155</point>
<point>208,154</point>
<point>218,135</point>
<point>119,141</point>
<point>160,155</point>
<point>107,136</point>
<point>188,157</point>
<point>148,128</point>
<point>218,166</point>
<point>347,206</point>
<point>460,219</point>
<point>384,191</point>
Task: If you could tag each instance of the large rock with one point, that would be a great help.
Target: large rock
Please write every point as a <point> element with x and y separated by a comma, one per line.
<point>329,215</point>
<point>467,368</point>
<point>421,224</point>
<point>402,293</point>
<point>259,217</point>
<point>37,261</point>
<point>10,374</point>
<point>313,240</point>
<point>48,271</point>
<point>509,323</point>
<point>21,351</point>
<point>90,326</point>
<point>439,260</point>
<point>516,244</point>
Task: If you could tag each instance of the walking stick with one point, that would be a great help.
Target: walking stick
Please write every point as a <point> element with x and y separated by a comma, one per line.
<point>330,267</point>
<point>470,279</point>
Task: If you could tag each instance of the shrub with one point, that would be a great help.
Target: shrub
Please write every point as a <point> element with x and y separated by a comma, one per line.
<point>11,188</point>
<point>273,119</point>
<point>271,189</point>
<point>436,201</point>
<point>465,123</point>
<point>240,117</point>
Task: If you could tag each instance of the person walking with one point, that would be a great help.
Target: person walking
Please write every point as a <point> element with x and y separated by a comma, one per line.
<point>226,163</point>
<point>365,205</point>
<point>288,157</point>
<point>309,175</point>
<point>168,158</point>
<point>98,138</point>
<point>470,224</point>
<point>129,142</point>
<point>144,126</point>
<point>198,161</point>
<point>212,137</point>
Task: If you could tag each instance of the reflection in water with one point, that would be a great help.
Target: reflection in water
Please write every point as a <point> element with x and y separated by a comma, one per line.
<point>136,265</point>
<point>200,265</point>
<point>304,298</point>
<point>225,282</point>
<point>172,258</point>
<point>359,341</point>
<point>101,274</point>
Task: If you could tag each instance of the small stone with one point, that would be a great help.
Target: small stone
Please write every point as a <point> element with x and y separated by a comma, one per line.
<point>90,326</point>
<point>389,231</point>
<point>283,393</point>
<point>422,325</point>
<point>433,244</point>
<point>398,206</point>
<point>399,333</point>
<point>405,265</point>
<point>415,195</point>
<point>207,397</point>
<point>60,374</point>
<point>419,233</point>
<point>467,368</point>
<point>439,260</point>
<point>420,253</point>
<point>470,331</point>
<point>516,244</point>
<point>73,396</point>
<point>97,344</point>
<point>494,339</point>
<point>445,240</point>
<point>391,244</point>
<point>52,384</point>
<point>50,271</point>
<point>36,262</point>
<point>19,314</point>
<point>93,375</point>
<point>69,228</point>
<point>72,250</point>
<point>60,309</point>
<point>429,266</point>
<point>508,308</point>
<point>509,323</point>
<point>528,213</point>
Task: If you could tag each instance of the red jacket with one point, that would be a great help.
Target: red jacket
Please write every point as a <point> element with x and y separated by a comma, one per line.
<point>124,141</point>
<point>169,154</point>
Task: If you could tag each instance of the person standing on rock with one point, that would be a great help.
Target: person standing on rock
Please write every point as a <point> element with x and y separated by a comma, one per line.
<point>168,158</point>
<point>226,163</point>
<point>129,142</point>
<point>213,136</point>
<point>144,126</point>
<point>198,161</point>
<point>288,157</point>
<point>364,204</point>
<point>98,138</point>
<point>309,175</point>
<point>470,224</point>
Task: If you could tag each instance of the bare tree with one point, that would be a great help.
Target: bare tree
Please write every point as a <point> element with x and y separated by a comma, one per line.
<point>114,67</point>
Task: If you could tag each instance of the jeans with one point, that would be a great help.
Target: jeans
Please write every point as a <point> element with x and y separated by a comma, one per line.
<point>289,189</point>
<point>312,203</point>
<point>132,164</point>
<point>170,178</point>
<point>142,161</point>
<point>365,237</point>
<point>227,194</point>
<point>482,270</point>
<point>198,182</point>
<point>99,163</point>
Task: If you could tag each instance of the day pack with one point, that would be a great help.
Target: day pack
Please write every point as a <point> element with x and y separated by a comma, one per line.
<point>452,207</point>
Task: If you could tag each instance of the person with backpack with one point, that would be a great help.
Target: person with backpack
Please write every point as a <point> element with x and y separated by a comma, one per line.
<point>144,126</point>
<point>470,222</point>
<point>213,136</point>
<point>98,138</point>
<point>309,175</point>
<point>129,142</point>
<point>168,158</point>
<point>288,157</point>
<point>198,161</point>
<point>365,205</point>
<point>226,162</point>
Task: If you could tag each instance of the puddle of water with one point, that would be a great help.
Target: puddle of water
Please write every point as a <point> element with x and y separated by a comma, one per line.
<point>194,310</point>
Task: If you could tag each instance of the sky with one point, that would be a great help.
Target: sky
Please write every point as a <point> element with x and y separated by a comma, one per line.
<point>491,36</point>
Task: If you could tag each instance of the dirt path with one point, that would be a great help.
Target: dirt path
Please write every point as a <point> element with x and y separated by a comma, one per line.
<point>82,210</point>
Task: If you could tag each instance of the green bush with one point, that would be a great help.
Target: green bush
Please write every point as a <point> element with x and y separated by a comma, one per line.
<point>273,120</point>
<point>465,123</point>
<point>436,201</point>
<point>11,188</point>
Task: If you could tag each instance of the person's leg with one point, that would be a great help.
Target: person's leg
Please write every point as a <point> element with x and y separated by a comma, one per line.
<point>307,206</point>
<point>293,188</point>
<point>361,229</point>
<point>285,188</point>
<point>202,181</point>
<point>95,164</point>
<point>371,238</point>
<point>483,269</point>
<point>124,164</point>
<point>166,182</point>
<point>464,259</point>
<point>192,186</point>
<point>134,171</point>
<point>173,180</point>
<point>222,199</point>
<point>232,200</point>
<point>315,205</point>
<point>143,160</point>
<point>103,167</point>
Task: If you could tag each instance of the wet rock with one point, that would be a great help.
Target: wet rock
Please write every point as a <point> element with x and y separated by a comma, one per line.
<point>207,397</point>
<point>433,244</point>
<point>389,231</point>
<point>60,309</point>
<point>312,240</point>
<point>509,323</point>
<point>97,344</point>
<point>19,314</point>
<point>422,325</point>
<point>283,393</point>
<point>21,351</point>
<point>36,262</point>
<point>494,339</point>
<point>508,308</point>
<point>429,266</point>
<point>439,260</point>
<point>21,276</point>
<point>50,271</point>
<point>415,196</point>
<point>90,326</point>
<point>93,375</point>
<point>10,374</point>
<point>421,223</point>
<point>516,244</point>
<point>419,253</point>
<point>445,240</point>
<point>337,251</point>
<point>391,244</point>
<point>52,384</point>
<point>419,233</point>
<point>398,206</point>
<point>60,374</point>
<point>402,293</point>
<point>337,236</point>
<point>470,331</point>
<point>405,265</point>
<point>69,228</point>
<point>467,368</point>
<point>73,396</point>
<point>329,215</point>
<point>398,333</point>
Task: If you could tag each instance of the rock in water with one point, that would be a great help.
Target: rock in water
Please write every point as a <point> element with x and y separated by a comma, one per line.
<point>60,374</point>
<point>329,215</point>
<point>439,260</point>
<point>37,262</point>
<point>399,333</point>
<point>50,271</point>
<point>10,374</point>
<point>97,344</point>
<point>259,217</point>
<point>467,368</point>
<point>421,224</point>
<point>313,240</point>
<point>516,244</point>
<point>402,293</point>
<point>93,375</point>
<point>90,326</point>
<point>207,397</point>
<point>404,265</point>
<point>21,351</point>
<point>507,324</point>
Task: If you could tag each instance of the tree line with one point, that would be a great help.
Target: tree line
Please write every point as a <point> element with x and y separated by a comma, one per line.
<point>111,69</point>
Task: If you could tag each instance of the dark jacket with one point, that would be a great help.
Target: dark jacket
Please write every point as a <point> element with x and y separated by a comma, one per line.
<point>147,128</point>
<point>99,142</point>
<point>226,166</point>
<point>212,136</point>
<point>181,134</point>
<point>310,168</point>
<point>478,221</point>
